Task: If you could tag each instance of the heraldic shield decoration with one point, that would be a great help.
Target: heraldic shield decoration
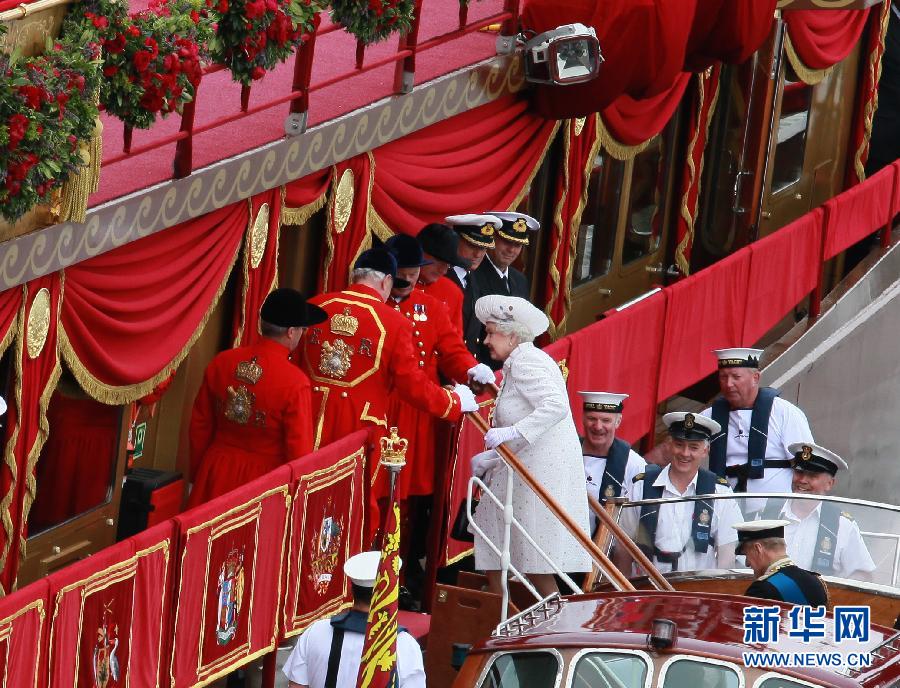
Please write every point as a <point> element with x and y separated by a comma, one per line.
<point>328,550</point>
<point>106,663</point>
<point>231,594</point>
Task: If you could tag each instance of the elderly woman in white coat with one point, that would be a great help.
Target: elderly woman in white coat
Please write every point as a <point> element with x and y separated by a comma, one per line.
<point>532,417</point>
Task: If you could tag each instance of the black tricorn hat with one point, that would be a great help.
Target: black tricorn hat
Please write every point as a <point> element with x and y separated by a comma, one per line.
<point>286,307</point>
<point>382,260</point>
<point>441,242</point>
<point>407,251</point>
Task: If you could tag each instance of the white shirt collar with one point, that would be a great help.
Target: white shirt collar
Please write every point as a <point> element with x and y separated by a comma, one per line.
<point>462,273</point>
<point>502,273</point>
<point>663,481</point>
<point>789,514</point>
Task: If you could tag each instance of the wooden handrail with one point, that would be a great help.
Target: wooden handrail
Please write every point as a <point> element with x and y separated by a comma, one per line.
<point>617,531</point>
<point>609,569</point>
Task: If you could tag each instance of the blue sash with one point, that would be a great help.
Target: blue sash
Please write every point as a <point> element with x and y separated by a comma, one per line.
<point>614,475</point>
<point>787,588</point>
<point>703,511</point>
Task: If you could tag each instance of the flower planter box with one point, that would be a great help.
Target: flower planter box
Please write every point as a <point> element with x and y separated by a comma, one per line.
<point>37,218</point>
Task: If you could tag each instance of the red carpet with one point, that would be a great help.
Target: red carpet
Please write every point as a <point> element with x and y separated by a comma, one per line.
<point>218,95</point>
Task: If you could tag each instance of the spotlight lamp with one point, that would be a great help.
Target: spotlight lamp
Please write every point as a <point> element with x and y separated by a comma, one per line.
<point>568,54</point>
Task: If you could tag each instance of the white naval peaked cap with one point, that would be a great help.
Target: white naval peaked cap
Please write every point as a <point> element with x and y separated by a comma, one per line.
<point>608,402</point>
<point>500,308</point>
<point>812,457</point>
<point>691,426</point>
<point>738,358</point>
<point>474,220</point>
<point>362,568</point>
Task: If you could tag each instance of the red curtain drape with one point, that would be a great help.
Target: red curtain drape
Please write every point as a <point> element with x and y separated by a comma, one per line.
<point>347,230</point>
<point>705,94</point>
<point>259,264</point>
<point>437,172</point>
<point>150,297</point>
<point>644,43</point>
<point>705,312</point>
<point>728,31</point>
<point>867,96</point>
<point>824,38</point>
<point>784,268</point>
<point>37,371</point>
<point>23,622</point>
<point>303,197</point>
<point>10,301</point>
<point>580,144</point>
<point>632,121</point>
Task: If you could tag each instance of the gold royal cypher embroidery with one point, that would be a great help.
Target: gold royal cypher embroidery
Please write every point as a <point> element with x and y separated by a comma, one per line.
<point>335,359</point>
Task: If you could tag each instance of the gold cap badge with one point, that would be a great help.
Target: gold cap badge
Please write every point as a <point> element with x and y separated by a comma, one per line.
<point>806,453</point>
<point>689,421</point>
<point>520,225</point>
<point>487,229</point>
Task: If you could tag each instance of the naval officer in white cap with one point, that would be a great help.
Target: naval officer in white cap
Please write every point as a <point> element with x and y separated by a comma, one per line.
<point>687,535</point>
<point>820,536</point>
<point>610,464</point>
<point>328,653</point>
<point>757,425</point>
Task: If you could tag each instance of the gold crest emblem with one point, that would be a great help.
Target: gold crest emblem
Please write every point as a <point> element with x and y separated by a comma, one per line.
<point>610,491</point>
<point>335,358</point>
<point>826,544</point>
<point>230,596</point>
<point>487,229</point>
<point>689,421</point>
<point>520,225</point>
<point>704,517</point>
<point>806,453</point>
<point>239,407</point>
<point>249,371</point>
<point>393,449</point>
<point>344,323</point>
<point>325,557</point>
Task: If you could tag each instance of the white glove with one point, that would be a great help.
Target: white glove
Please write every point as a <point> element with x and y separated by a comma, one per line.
<point>481,374</point>
<point>466,399</point>
<point>484,462</point>
<point>497,436</point>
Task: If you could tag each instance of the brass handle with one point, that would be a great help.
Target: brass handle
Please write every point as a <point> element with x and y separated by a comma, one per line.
<point>655,269</point>
<point>798,196</point>
<point>766,214</point>
<point>110,522</point>
<point>604,292</point>
<point>56,549</point>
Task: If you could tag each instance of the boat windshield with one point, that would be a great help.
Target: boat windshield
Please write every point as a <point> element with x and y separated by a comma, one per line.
<point>838,537</point>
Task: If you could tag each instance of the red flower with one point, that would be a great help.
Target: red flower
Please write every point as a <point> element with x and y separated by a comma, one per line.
<point>171,63</point>
<point>257,73</point>
<point>34,96</point>
<point>100,22</point>
<point>151,44</point>
<point>141,60</point>
<point>195,16</point>
<point>110,70</point>
<point>132,30</point>
<point>115,45</point>
<point>255,9</point>
<point>223,6</point>
<point>18,126</point>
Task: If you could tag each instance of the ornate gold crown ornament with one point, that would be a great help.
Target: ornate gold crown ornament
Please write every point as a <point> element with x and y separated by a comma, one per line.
<point>487,229</point>
<point>393,450</point>
<point>520,225</point>
<point>249,371</point>
<point>806,453</point>
<point>344,323</point>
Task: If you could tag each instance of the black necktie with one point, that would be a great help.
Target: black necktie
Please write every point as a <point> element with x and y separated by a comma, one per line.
<point>506,283</point>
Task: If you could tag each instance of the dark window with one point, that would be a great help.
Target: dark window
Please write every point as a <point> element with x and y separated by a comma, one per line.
<point>597,234</point>
<point>523,670</point>
<point>790,147</point>
<point>683,673</point>
<point>645,202</point>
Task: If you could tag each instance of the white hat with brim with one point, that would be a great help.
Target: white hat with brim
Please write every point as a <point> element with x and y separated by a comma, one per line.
<point>691,426</point>
<point>811,457</point>
<point>362,568</point>
<point>738,358</point>
<point>499,308</point>
<point>606,402</point>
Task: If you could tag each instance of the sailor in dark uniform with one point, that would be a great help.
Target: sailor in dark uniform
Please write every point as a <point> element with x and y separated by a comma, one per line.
<point>777,576</point>
<point>610,464</point>
<point>477,234</point>
<point>328,653</point>
<point>758,426</point>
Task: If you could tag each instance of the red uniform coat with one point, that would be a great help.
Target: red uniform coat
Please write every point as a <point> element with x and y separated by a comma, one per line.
<point>439,348</point>
<point>445,291</point>
<point>357,357</point>
<point>240,429</point>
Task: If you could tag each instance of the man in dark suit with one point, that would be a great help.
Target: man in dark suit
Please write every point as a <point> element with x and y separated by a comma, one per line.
<point>477,232</point>
<point>777,577</point>
<point>496,275</point>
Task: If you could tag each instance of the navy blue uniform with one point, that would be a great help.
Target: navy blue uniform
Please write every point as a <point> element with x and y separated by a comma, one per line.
<point>791,584</point>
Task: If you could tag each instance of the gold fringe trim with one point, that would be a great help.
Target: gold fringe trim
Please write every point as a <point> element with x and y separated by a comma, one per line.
<point>366,243</point>
<point>689,215</point>
<point>84,182</point>
<point>117,395</point>
<point>874,67</point>
<point>245,270</point>
<point>378,226</point>
<point>460,556</point>
<point>555,330</point>
<point>617,149</point>
<point>329,240</point>
<point>526,187</point>
<point>301,215</point>
<point>807,75</point>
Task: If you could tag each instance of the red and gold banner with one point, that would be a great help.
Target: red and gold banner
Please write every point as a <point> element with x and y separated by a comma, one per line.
<point>705,93</point>
<point>378,664</point>
<point>327,517</point>
<point>109,627</point>
<point>259,263</point>
<point>231,585</point>
<point>303,197</point>
<point>23,618</point>
<point>347,231</point>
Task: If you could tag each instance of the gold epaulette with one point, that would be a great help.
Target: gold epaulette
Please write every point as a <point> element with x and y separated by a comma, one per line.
<point>722,481</point>
<point>847,515</point>
<point>639,476</point>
